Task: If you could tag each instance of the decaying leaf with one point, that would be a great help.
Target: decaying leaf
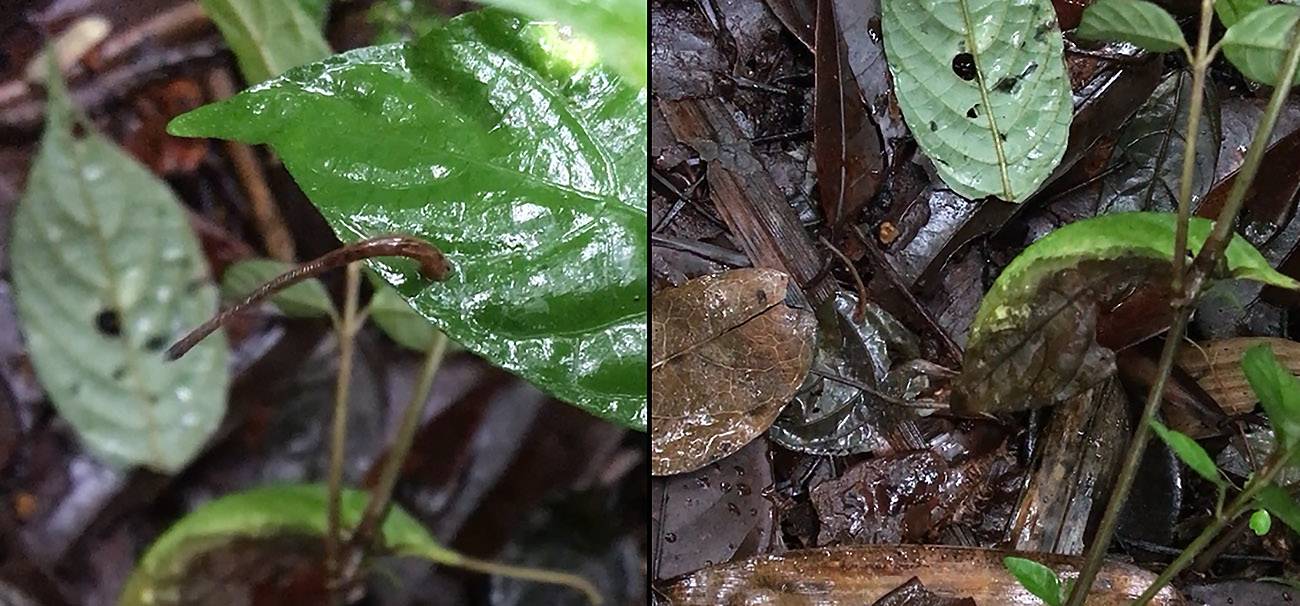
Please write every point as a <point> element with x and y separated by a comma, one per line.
<point>1216,366</point>
<point>830,417</point>
<point>849,576</point>
<point>914,593</point>
<point>846,145</point>
<point>1033,342</point>
<point>726,357</point>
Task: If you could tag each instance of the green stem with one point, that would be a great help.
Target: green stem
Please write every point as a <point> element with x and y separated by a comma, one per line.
<point>572,581</point>
<point>347,329</point>
<point>1239,505</point>
<point>1208,258</point>
<point>381,496</point>
<point>1193,128</point>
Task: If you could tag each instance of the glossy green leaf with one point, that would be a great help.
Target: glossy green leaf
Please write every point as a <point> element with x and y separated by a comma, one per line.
<point>106,273</point>
<point>1189,452</point>
<point>1033,340</point>
<point>1036,579</point>
<point>307,299</point>
<point>1278,391</point>
<point>262,513</point>
<point>1257,44</point>
<point>983,89</point>
<point>1137,22</point>
<point>1279,503</point>
<point>1232,11</point>
<point>619,29</point>
<point>526,169</point>
<point>1261,522</point>
<point>268,36</point>
<point>393,315</point>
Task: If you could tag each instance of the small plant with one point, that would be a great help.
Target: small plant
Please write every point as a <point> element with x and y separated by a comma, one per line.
<point>1036,579</point>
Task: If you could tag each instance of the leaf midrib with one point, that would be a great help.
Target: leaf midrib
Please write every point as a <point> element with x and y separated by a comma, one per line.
<point>984,100</point>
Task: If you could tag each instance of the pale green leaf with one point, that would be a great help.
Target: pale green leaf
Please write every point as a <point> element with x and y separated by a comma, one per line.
<point>1036,579</point>
<point>1189,452</point>
<point>1278,391</point>
<point>263,513</point>
<point>618,29</point>
<point>393,315</point>
<point>1258,43</point>
<point>268,36</point>
<point>1232,11</point>
<point>983,88</point>
<point>1138,22</point>
<point>526,169</point>
<point>106,274</point>
<point>307,299</point>
<point>1261,522</point>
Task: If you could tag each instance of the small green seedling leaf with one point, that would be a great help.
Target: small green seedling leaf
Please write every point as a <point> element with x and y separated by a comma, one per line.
<point>1189,452</point>
<point>307,299</point>
<point>983,89</point>
<point>1232,11</point>
<point>1257,44</point>
<point>1036,579</point>
<point>1278,391</point>
<point>525,167</point>
<point>619,28</point>
<point>107,273</point>
<point>1279,503</point>
<point>1134,21</point>
<point>300,511</point>
<point>1260,522</point>
<point>268,36</point>
<point>1033,341</point>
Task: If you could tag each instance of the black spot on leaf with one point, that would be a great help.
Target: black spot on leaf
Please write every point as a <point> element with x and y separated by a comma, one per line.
<point>973,112</point>
<point>933,126</point>
<point>963,64</point>
<point>109,323</point>
<point>155,343</point>
<point>1006,85</point>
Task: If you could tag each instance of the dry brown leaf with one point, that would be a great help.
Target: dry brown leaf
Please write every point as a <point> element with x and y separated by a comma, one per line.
<point>726,356</point>
<point>1216,366</point>
<point>851,576</point>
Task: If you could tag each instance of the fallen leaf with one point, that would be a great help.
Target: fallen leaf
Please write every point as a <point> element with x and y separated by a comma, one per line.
<point>862,574</point>
<point>846,145</point>
<point>1216,366</point>
<point>726,356</point>
<point>914,593</point>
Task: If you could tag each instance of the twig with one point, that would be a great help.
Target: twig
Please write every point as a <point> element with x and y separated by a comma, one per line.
<point>347,331</point>
<point>1199,68</point>
<point>381,496</point>
<point>1209,257</point>
<point>859,311</point>
<point>433,266</point>
<point>266,214</point>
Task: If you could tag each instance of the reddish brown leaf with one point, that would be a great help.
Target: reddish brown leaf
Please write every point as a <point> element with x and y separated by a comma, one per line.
<point>726,356</point>
<point>846,144</point>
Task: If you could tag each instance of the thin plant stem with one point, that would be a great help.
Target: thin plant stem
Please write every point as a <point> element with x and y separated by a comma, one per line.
<point>1238,506</point>
<point>1199,66</point>
<point>381,496</point>
<point>347,330</point>
<point>1207,260</point>
<point>572,581</point>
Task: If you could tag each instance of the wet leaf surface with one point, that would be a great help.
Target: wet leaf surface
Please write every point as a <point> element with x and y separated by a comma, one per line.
<point>727,356</point>
<point>858,575</point>
<point>525,291</point>
<point>993,115</point>
<point>1033,342</point>
<point>1148,155</point>
<point>846,145</point>
<point>832,417</point>
<point>914,593</point>
<point>712,515</point>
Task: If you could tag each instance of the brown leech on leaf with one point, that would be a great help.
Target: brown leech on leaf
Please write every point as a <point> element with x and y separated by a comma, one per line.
<point>433,266</point>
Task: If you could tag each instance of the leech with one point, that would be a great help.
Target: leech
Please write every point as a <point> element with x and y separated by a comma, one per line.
<point>433,266</point>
